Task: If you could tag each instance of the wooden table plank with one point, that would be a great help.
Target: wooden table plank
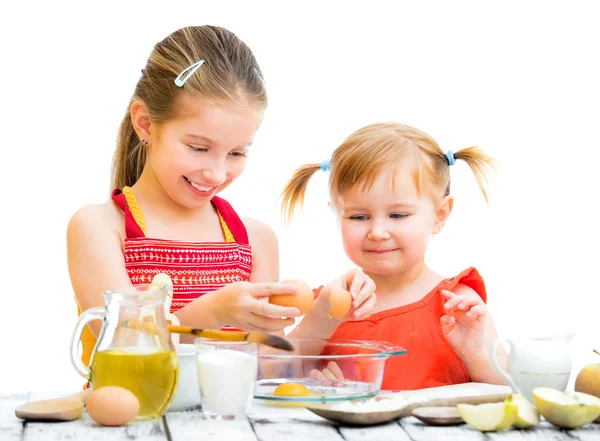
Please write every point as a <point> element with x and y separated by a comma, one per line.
<point>547,432</point>
<point>192,426</point>
<point>293,430</point>
<point>385,432</point>
<point>11,427</point>
<point>290,423</point>
<point>589,432</point>
<point>419,431</point>
<point>85,429</point>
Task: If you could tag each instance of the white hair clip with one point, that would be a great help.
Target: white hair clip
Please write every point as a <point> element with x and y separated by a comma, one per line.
<point>187,73</point>
<point>259,76</point>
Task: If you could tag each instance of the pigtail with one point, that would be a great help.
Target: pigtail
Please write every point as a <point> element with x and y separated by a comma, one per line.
<point>294,191</point>
<point>129,157</point>
<point>480,163</point>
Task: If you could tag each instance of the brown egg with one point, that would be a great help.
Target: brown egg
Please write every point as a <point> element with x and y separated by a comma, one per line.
<point>112,406</point>
<point>303,299</point>
<point>340,301</point>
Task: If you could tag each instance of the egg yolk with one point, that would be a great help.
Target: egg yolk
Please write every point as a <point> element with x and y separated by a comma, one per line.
<point>291,390</point>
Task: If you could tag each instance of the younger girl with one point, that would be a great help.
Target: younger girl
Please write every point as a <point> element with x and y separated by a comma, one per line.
<point>390,187</point>
<point>185,137</point>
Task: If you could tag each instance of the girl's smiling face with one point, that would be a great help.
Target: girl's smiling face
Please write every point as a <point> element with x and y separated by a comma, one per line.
<point>203,150</point>
<point>386,228</point>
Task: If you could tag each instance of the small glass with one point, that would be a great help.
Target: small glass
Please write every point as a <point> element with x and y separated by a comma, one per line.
<point>227,377</point>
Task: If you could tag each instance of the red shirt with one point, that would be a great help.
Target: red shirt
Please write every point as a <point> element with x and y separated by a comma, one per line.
<point>430,360</point>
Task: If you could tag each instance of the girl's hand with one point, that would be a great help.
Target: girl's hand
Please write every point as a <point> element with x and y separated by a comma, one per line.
<point>332,375</point>
<point>362,290</point>
<point>244,305</point>
<point>463,324</point>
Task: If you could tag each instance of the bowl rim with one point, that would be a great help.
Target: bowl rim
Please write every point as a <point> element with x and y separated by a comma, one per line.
<point>385,349</point>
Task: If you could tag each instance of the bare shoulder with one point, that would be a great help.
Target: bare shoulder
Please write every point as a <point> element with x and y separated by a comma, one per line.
<point>259,232</point>
<point>265,251</point>
<point>96,218</point>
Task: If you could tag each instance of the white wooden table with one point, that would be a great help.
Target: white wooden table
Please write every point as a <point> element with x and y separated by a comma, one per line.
<point>263,424</point>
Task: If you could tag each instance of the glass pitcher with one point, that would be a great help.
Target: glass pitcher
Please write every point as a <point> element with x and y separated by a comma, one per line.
<point>134,349</point>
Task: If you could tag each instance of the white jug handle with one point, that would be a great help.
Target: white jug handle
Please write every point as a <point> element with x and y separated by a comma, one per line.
<point>494,360</point>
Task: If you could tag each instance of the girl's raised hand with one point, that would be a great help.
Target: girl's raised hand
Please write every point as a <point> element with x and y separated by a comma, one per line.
<point>242,305</point>
<point>361,288</point>
<point>463,324</point>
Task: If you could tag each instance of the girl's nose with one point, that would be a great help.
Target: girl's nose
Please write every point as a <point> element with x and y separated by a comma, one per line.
<point>378,232</point>
<point>215,174</point>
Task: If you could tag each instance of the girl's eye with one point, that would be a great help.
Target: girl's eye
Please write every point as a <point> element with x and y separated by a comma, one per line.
<point>359,217</point>
<point>239,154</point>
<point>197,149</point>
<point>398,215</point>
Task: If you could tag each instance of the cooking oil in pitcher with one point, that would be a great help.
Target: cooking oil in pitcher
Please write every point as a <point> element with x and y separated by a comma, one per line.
<point>150,376</point>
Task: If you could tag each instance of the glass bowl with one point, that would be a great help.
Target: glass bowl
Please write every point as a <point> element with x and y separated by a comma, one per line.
<point>320,371</point>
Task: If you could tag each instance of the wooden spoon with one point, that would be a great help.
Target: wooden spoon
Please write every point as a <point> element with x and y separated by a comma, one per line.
<point>56,409</point>
<point>438,416</point>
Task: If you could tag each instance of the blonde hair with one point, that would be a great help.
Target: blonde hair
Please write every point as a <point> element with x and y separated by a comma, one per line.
<point>378,148</point>
<point>229,72</point>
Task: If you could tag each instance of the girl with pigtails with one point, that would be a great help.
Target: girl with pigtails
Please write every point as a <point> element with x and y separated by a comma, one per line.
<point>390,188</point>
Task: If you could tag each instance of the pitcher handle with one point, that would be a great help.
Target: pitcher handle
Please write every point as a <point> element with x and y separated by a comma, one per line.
<point>86,317</point>
<point>494,360</point>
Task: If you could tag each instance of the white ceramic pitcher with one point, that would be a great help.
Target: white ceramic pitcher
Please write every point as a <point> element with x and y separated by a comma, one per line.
<point>536,362</point>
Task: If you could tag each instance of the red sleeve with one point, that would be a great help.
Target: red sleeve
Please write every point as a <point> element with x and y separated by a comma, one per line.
<point>471,278</point>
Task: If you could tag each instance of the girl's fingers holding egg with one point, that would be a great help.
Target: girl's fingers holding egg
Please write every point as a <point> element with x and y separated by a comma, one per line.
<point>367,290</point>
<point>268,289</point>
<point>273,311</point>
<point>356,285</point>
<point>365,309</point>
<point>354,281</point>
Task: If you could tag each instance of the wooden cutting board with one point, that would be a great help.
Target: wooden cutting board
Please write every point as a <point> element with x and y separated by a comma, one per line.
<point>447,396</point>
<point>468,393</point>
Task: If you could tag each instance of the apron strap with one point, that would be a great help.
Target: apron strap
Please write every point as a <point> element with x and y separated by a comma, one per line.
<point>132,229</point>
<point>233,221</point>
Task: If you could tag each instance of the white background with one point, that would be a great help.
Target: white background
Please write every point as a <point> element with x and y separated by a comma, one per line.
<point>520,79</point>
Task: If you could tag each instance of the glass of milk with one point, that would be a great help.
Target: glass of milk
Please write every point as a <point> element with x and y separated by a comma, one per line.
<point>226,376</point>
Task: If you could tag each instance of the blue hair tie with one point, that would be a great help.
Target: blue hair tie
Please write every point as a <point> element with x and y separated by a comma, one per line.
<point>326,165</point>
<point>450,157</point>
